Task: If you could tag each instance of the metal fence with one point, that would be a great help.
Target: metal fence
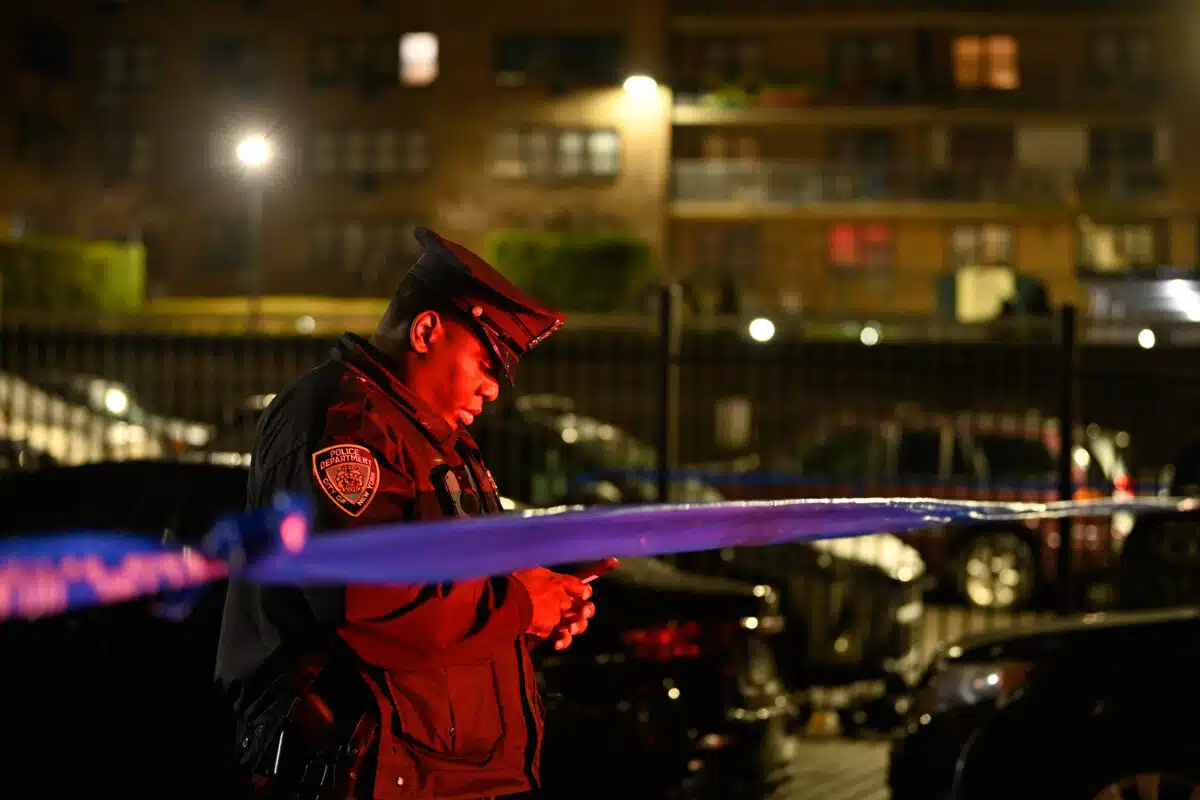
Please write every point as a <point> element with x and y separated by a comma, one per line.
<point>1023,409</point>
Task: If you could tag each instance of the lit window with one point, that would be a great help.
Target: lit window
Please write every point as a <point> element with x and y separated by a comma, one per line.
<point>968,60</point>
<point>604,153</point>
<point>861,247</point>
<point>988,62</point>
<point>418,59</point>
<point>982,245</point>
<point>570,154</point>
<point>1003,70</point>
<point>1115,248</point>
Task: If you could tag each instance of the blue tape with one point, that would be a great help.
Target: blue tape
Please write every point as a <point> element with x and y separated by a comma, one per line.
<point>55,574</point>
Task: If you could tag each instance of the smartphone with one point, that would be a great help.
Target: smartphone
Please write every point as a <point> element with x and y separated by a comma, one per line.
<point>593,571</point>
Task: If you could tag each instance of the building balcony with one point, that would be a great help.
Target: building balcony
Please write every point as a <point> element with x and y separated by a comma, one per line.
<point>701,186</point>
<point>818,101</point>
<point>768,8</point>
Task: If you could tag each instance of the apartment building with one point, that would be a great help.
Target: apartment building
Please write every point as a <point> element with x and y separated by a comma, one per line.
<point>464,115</point>
<point>840,161</point>
<point>822,157</point>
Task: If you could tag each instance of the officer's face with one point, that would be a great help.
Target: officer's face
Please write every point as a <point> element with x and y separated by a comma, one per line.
<point>461,374</point>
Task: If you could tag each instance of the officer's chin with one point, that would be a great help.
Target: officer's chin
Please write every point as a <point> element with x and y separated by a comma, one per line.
<point>466,418</point>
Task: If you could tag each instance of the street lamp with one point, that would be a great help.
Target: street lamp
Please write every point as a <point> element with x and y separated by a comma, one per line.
<point>641,87</point>
<point>254,154</point>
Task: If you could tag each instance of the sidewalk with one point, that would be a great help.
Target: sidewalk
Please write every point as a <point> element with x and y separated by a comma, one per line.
<point>836,769</point>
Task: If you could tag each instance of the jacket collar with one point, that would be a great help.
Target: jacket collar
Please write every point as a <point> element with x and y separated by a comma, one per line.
<point>373,364</point>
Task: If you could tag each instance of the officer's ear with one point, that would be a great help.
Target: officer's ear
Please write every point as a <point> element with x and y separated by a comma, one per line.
<point>426,329</point>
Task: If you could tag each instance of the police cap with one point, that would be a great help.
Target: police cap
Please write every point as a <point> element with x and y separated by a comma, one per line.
<point>508,320</point>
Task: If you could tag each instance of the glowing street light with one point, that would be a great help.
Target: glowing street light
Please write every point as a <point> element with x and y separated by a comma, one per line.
<point>641,87</point>
<point>761,329</point>
<point>254,152</point>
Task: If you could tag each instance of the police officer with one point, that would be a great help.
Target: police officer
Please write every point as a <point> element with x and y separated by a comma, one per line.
<point>398,691</point>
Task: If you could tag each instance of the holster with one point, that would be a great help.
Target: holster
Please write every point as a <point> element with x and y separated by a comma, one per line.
<point>307,727</point>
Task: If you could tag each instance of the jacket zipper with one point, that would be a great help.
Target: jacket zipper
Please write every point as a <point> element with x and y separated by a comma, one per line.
<point>533,735</point>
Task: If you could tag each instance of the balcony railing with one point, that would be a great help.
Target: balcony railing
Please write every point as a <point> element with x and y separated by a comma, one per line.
<point>1074,92</point>
<point>799,183</point>
<point>789,7</point>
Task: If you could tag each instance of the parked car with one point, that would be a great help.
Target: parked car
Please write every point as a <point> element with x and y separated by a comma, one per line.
<point>119,402</point>
<point>1070,709</point>
<point>20,455</point>
<point>1160,561</point>
<point>977,456</point>
<point>77,419</point>
<point>852,606</point>
<point>675,682</point>
<point>676,673</point>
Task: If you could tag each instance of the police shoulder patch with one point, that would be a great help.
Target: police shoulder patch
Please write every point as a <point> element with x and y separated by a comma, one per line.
<point>348,474</point>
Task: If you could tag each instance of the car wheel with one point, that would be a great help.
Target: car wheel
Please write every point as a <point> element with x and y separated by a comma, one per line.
<point>1160,562</point>
<point>1151,786</point>
<point>997,569</point>
<point>1159,772</point>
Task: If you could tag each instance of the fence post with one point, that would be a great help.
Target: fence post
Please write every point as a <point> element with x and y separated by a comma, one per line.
<point>1067,412</point>
<point>670,331</point>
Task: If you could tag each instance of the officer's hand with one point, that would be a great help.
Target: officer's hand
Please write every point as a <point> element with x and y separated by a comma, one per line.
<point>554,596</point>
<point>574,622</point>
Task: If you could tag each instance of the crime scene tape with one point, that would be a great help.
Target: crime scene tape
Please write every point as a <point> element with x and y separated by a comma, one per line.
<point>48,575</point>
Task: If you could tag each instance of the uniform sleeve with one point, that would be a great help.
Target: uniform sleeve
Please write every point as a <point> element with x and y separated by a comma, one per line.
<point>409,626</point>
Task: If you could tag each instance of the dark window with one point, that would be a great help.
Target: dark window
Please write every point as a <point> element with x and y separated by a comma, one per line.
<point>862,62</point>
<point>862,146</point>
<point>44,50</point>
<point>564,61</point>
<point>1121,146</point>
<point>1124,59</point>
<point>234,63</point>
<point>920,454</point>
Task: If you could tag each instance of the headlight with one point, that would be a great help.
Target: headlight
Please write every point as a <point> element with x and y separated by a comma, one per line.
<point>960,685</point>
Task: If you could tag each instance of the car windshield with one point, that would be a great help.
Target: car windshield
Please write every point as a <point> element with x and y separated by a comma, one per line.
<point>105,397</point>
<point>604,445</point>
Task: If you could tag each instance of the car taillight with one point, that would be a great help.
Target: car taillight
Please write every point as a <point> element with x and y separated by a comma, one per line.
<point>689,639</point>
<point>666,642</point>
<point>1123,484</point>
